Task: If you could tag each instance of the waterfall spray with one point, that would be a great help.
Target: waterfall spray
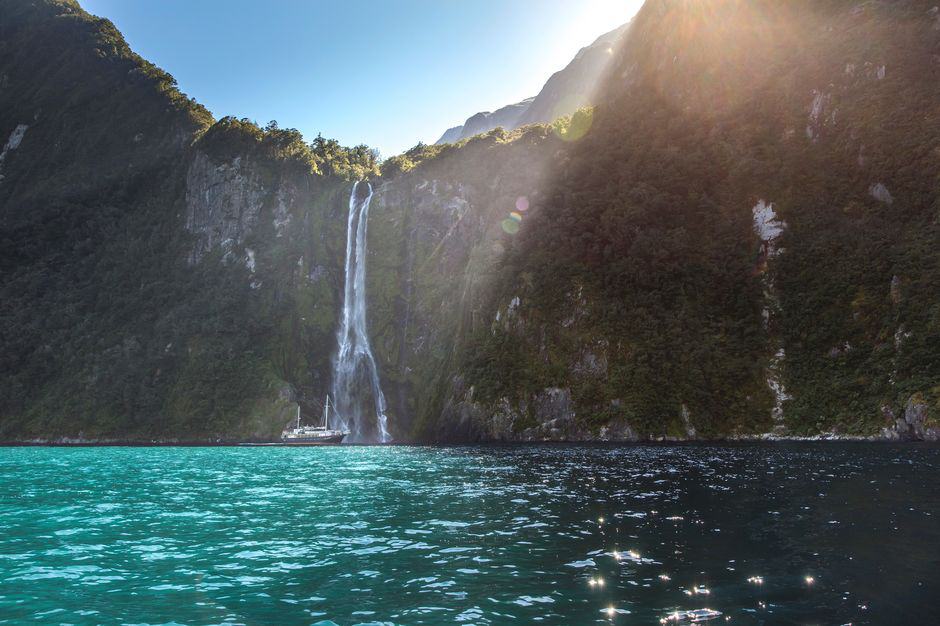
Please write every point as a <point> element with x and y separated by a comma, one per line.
<point>354,369</point>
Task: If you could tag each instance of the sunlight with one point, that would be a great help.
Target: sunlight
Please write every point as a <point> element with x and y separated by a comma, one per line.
<point>595,17</point>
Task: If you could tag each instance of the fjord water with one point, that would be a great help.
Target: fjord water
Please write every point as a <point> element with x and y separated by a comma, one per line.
<point>498,535</point>
<point>354,370</point>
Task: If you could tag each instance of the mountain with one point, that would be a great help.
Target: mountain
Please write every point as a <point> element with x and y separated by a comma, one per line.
<point>743,243</point>
<point>740,239</point>
<point>132,302</point>
<point>565,92</point>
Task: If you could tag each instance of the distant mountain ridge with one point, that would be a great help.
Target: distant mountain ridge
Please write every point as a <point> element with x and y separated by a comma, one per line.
<point>565,92</point>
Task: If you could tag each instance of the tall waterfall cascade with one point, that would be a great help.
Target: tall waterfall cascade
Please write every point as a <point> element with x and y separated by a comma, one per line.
<point>357,392</point>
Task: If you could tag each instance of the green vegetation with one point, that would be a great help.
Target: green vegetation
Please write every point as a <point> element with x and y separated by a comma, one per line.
<point>611,254</point>
<point>649,223</point>
<point>106,331</point>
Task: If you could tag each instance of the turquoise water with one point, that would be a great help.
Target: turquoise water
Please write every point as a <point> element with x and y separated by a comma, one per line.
<point>500,535</point>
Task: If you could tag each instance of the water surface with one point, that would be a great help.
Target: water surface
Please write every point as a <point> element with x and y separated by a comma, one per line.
<point>838,533</point>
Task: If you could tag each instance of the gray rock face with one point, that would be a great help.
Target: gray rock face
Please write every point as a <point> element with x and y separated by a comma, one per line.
<point>451,135</point>
<point>548,415</point>
<point>16,137</point>
<point>880,192</point>
<point>223,203</point>
<point>914,426</point>
<point>507,117</point>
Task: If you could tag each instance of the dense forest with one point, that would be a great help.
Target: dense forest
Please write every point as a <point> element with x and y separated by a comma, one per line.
<point>739,238</point>
<point>648,231</point>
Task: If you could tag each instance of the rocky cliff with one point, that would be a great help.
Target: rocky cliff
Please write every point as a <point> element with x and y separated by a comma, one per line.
<point>164,276</point>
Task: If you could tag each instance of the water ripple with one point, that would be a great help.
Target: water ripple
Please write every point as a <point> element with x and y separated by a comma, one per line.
<point>822,533</point>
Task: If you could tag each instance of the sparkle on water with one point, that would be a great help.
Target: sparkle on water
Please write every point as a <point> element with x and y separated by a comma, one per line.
<point>399,535</point>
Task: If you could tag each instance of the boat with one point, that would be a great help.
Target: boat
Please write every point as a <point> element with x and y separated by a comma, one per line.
<point>314,435</point>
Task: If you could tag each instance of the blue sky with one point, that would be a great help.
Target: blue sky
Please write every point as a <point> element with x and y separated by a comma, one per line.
<point>388,73</point>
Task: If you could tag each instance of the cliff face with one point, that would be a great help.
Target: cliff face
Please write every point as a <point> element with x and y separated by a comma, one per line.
<point>435,237</point>
<point>161,276</point>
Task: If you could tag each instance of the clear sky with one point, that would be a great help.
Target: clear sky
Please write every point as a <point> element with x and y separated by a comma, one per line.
<point>388,73</point>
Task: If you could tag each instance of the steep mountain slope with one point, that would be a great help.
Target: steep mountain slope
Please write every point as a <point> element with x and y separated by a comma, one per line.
<point>741,238</point>
<point>745,242</point>
<point>565,92</point>
<point>160,277</point>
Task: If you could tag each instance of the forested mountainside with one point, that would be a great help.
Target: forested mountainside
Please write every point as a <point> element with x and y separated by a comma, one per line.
<point>132,304</point>
<point>746,241</point>
<point>741,238</point>
<point>565,92</point>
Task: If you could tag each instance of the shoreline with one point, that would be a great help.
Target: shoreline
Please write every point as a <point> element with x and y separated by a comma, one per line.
<point>755,439</point>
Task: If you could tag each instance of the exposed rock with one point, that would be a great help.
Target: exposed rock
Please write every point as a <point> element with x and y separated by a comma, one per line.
<point>916,414</point>
<point>687,422</point>
<point>223,202</point>
<point>840,350</point>
<point>896,289</point>
<point>775,382</point>
<point>282,215</point>
<point>617,430</point>
<point>315,273</point>
<point>916,424</point>
<point>13,142</point>
<point>900,336</point>
<point>817,118</point>
<point>548,415</point>
<point>767,226</point>
<point>769,229</point>
<point>593,360</point>
<point>879,192</point>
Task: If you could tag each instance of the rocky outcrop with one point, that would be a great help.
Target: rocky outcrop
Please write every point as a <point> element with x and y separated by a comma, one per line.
<point>546,416</point>
<point>880,192</point>
<point>223,203</point>
<point>769,229</point>
<point>916,423</point>
<point>13,142</point>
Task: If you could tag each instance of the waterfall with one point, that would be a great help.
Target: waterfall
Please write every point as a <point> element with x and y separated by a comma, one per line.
<point>355,376</point>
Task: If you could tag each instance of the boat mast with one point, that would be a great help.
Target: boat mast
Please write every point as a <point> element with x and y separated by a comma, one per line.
<point>298,416</point>
<point>326,414</point>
